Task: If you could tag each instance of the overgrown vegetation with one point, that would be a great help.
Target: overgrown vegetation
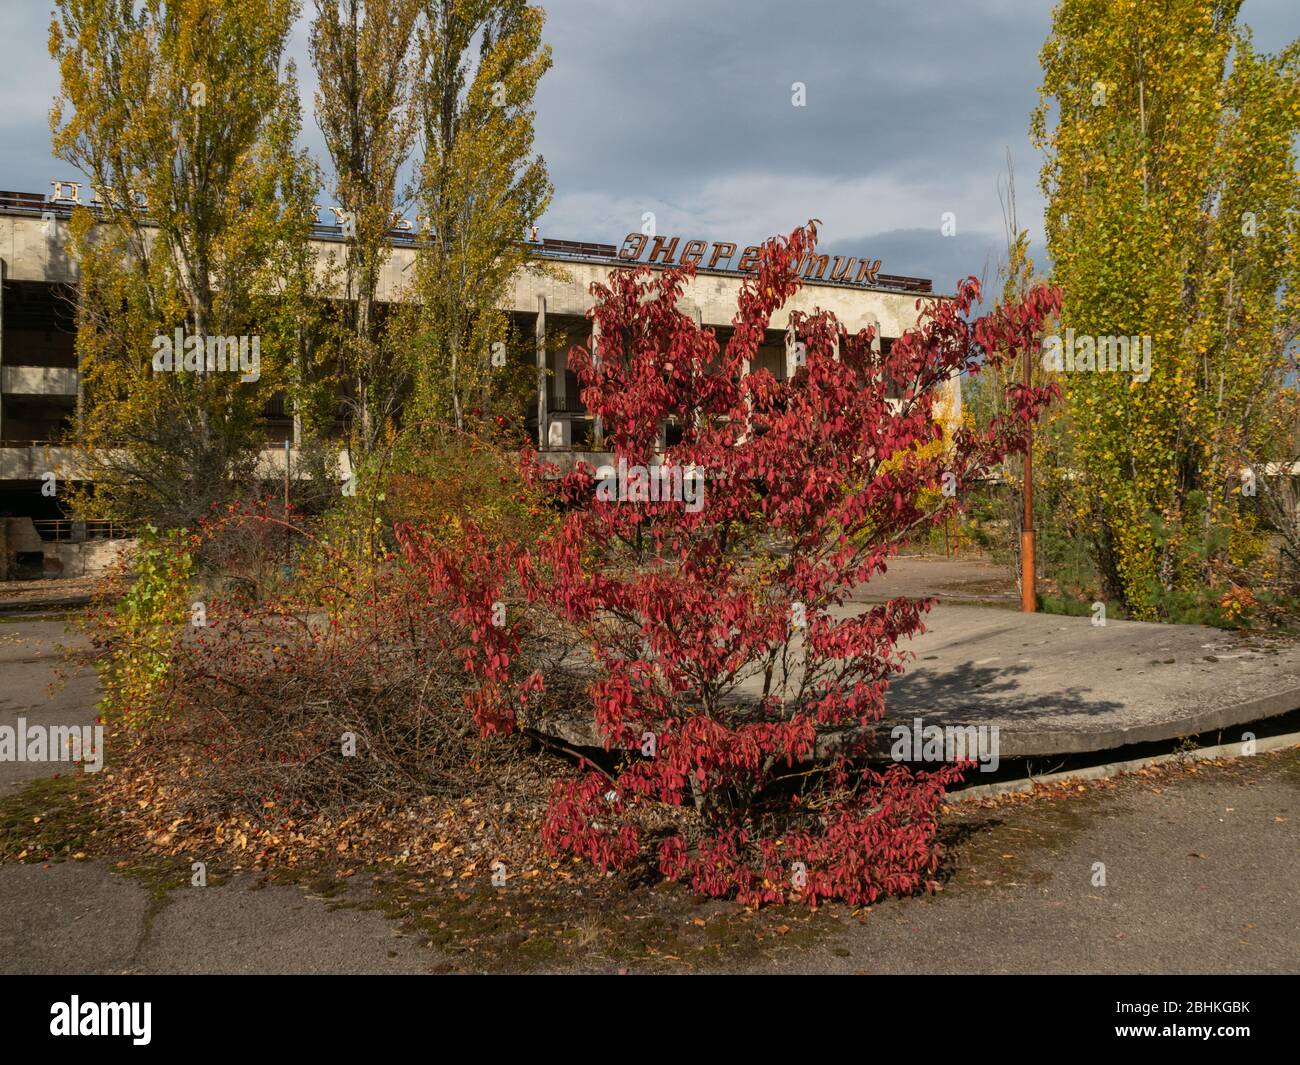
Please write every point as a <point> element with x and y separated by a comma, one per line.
<point>1172,192</point>
<point>709,626</point>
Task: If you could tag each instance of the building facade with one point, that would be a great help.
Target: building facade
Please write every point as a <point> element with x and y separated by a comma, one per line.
<point>38,362</point>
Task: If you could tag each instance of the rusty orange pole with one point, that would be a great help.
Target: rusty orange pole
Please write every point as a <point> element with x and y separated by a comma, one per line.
<point>1028,591</point>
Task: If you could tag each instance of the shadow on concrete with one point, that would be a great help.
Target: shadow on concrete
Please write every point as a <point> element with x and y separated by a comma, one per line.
<point>970,693</point>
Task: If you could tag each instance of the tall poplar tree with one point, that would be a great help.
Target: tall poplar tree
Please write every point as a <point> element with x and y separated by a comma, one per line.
<point>184,116</point>
<point>1172,197</point>
<point>481,188</point>
<point>363,51</point>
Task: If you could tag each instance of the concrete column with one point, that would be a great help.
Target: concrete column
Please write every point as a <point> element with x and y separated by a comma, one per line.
<point>599,428</point>
<point>693,309</point>
<point>561,376</point>
<point>745,368</point>
<point>541,373</point>
<point>874,322</point>
<point>4,270</point>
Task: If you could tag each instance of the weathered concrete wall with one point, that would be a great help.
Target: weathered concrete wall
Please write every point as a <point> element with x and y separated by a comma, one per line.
<point>86,559</point>
<point>39,381</point>
<point>715,297</point>
<point>32,463</point>
<point>32,255</point>
<point>19,536</point>
<point>33,247</point>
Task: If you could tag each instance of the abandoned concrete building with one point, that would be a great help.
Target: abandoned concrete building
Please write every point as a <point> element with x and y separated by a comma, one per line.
<point>39,374</point>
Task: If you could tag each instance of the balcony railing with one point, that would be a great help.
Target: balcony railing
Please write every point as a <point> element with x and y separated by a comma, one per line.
<point>567,405</point>
<point>64,531</point>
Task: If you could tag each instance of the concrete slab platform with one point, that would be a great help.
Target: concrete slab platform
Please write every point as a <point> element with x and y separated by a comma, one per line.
<point>1056,685</point>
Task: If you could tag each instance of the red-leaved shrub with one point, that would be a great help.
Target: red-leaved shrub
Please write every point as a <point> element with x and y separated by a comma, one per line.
<point>720,657</point>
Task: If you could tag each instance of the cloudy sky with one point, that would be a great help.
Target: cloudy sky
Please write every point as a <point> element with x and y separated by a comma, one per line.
<point>683,108</point>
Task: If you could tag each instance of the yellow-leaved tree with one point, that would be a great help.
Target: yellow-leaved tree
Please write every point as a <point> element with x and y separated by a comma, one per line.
<point>194,264</point>
<point>1171,224</point>
<point>364,55</point>
<point>481,189</point>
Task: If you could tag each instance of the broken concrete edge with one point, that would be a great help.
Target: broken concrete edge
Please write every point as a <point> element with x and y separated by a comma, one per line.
<point>583,734</point>
<point>44,605</point>
<point>1046,744</point>
<point>1017,744</point>
<point>1112,769</point>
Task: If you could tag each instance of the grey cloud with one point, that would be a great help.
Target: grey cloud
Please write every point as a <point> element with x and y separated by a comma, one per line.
<point>682,107</point>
